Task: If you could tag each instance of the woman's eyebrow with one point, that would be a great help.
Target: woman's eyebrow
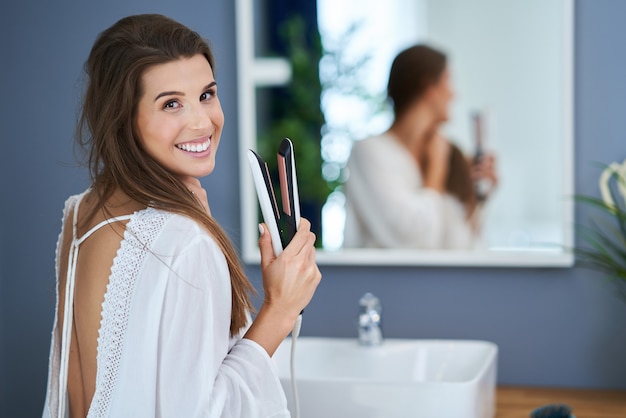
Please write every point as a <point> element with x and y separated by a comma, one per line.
<point>169,93</point>
<point>180,93</point>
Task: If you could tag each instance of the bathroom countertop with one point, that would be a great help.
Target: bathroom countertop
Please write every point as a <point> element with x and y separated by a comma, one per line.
<point>518,402</point>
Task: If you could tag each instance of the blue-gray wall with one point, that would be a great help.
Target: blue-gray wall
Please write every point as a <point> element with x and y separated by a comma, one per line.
<point>555,327</point>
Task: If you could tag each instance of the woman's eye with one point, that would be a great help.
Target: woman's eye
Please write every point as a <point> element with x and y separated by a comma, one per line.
<point>207,95</point>
<point>172,104</point>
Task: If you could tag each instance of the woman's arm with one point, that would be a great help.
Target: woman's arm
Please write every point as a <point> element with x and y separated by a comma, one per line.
<point>289,282</point>
<point>436,161</point>
<point>201,371</point>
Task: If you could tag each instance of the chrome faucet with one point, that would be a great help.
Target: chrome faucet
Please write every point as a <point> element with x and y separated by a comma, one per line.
<point>370,312</point>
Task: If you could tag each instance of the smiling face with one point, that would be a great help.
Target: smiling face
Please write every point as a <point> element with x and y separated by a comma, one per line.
<point>179,116</point>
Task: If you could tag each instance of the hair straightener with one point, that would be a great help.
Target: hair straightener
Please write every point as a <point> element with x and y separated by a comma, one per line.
<point>282,228</point>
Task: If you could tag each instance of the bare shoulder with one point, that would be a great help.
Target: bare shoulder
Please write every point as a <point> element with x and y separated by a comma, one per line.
<point>98,250</point>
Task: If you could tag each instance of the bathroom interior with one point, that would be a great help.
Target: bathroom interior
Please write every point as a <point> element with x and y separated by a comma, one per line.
<point>532,324</point>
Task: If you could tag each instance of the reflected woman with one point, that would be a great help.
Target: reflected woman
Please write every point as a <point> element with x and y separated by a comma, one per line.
<point>408,187</point>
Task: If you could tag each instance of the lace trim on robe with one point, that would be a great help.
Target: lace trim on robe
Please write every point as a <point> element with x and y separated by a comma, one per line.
<point>140,233</point>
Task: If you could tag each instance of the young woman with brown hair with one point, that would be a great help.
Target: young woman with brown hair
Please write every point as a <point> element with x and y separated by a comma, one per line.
<point>153,304</point>
<point>397,191</point>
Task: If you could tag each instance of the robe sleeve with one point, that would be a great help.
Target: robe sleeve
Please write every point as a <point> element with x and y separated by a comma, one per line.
<point>200,373</point>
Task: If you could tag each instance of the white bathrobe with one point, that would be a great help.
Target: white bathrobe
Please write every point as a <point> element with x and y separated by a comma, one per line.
<point>164,348</point>
<point>388,207</point>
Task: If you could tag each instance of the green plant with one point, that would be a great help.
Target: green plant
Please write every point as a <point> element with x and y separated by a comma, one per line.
<point>605,237</point>
<point>296,112</point>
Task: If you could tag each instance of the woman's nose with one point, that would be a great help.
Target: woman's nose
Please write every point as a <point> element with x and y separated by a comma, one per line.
<point>199,117</point>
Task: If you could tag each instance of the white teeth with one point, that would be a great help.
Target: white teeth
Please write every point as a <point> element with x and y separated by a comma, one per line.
<point>194,147</point>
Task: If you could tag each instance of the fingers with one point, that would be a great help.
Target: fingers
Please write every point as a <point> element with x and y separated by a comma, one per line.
<point>492,169</point>
<point>265,246</point>
<point>486,168</point>
<point>302,245</point>
<point>303,240</point>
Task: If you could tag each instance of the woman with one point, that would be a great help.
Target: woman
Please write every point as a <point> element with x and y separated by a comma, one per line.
<point>396,189</point>
<point>153,304</point>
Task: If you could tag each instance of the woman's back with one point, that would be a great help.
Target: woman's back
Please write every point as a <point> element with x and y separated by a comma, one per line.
<point>93,269</point>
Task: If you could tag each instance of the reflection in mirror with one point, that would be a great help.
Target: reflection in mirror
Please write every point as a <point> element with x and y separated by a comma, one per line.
<point>510,62</point>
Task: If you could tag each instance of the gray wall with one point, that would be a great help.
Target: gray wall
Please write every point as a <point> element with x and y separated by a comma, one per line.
<point>555,327</point>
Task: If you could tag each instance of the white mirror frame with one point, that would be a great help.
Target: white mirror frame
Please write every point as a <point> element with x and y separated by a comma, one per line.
<point>253,72</point>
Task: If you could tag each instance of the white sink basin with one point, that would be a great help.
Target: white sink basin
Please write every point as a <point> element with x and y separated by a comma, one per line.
<point>337,377</point>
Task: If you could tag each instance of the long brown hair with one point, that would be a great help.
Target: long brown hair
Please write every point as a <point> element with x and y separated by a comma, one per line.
<point>107,130</point>
<point>459,182</point>
<point>413,70</point>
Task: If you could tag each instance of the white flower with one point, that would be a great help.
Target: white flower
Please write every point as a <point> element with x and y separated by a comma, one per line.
<point>619,170</point>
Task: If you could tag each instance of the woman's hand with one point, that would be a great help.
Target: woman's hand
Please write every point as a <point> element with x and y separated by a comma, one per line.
<point>485,170</point>
<point>290,279</point>
<point>437,155</point>
<point>289,282</point>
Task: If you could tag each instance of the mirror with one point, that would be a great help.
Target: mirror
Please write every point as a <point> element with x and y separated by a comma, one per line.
<point>512,61</point>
